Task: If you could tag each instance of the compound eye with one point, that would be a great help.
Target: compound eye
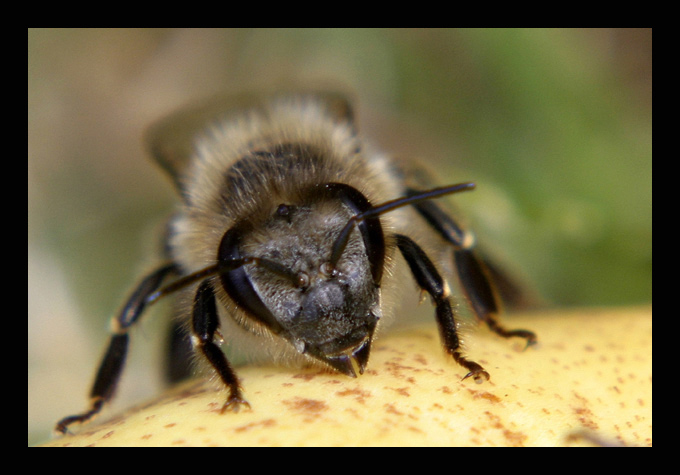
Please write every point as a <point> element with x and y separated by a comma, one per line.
<point>238,285</point>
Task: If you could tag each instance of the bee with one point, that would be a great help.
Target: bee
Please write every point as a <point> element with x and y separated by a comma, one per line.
<point>287,236</point>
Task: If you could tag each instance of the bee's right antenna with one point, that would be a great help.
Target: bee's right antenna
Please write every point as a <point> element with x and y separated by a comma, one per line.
<point>341,241</point>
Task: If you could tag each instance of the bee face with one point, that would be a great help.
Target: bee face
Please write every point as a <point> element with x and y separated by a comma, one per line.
<point>287,229</point>
<point>325,310</point>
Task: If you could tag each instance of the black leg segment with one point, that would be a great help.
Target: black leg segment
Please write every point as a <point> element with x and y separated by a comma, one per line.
<point>429,279</point>
<point>113,362</point>
<point>481,294</point>
<point>205,324</point>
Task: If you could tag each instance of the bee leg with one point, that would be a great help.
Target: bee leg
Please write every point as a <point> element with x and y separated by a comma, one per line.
<point>429,279</point>
<point>112,364</point>
<point>472,271</point>
<point>205,323</point>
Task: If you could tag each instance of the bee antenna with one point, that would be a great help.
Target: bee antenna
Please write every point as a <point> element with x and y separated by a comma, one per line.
<point>218,268</point>
<point>341,241</point>
<point>416,197</point>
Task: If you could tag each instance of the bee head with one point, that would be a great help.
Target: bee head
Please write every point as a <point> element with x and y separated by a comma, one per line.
<point>316,278</point>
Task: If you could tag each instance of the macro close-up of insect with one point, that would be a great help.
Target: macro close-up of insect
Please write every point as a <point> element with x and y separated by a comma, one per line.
<point>288,240</point>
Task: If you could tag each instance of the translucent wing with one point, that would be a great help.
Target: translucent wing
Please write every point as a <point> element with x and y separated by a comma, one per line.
<point>172,140</point>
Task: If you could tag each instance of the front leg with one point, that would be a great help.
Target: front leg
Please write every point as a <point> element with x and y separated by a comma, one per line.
<point>205,323</point>
<point>429,279</point>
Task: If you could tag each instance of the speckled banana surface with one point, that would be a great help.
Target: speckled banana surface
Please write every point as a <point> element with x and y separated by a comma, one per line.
<point>588,382</point>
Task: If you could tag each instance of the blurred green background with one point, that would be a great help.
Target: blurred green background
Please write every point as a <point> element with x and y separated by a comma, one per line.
<point>554,126</point>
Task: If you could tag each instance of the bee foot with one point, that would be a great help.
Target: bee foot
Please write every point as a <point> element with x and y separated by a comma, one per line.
<point>234,404</point>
